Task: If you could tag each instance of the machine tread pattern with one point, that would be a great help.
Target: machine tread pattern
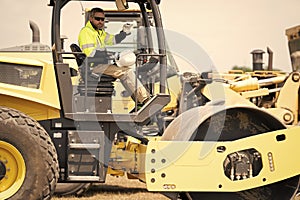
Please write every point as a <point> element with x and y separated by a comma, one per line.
<point>32,129</point>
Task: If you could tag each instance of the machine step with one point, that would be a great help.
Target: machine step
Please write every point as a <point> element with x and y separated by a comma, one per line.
<point>85,156</point>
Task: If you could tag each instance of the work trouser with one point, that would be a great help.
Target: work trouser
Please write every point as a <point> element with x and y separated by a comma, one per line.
<point>127,77</point>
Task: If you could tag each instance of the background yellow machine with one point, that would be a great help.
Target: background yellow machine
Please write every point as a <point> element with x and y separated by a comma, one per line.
<point>200,136</point>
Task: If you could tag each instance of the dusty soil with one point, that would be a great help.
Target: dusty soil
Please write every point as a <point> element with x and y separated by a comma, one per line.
<point>117,188</point>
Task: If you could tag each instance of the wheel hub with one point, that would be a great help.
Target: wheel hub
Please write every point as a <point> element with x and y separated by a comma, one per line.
<point>2,170</point>
<point>12,170</point>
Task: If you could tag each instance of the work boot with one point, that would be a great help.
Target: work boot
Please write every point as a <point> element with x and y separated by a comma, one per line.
<point>128,81</point>
<point>140,105</point>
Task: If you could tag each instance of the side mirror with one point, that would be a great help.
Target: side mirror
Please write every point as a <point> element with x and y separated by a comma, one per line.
<point>122,4</point>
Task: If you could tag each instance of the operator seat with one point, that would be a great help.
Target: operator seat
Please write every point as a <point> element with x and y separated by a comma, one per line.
<point>95,84</point>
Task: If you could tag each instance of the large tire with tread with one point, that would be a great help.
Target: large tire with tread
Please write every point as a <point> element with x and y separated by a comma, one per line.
<point>76,189</point>
<point>27,150</point>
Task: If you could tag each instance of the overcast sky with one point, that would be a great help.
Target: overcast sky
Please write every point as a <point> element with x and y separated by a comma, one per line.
<point>227,30</point>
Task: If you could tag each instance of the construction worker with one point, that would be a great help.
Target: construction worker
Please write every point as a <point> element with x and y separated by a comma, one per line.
<point>93,39</point>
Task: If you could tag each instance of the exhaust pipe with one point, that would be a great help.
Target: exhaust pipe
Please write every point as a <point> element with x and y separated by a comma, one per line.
<point>270,61</point>
<point>257,59</point>
<point>35,32</point>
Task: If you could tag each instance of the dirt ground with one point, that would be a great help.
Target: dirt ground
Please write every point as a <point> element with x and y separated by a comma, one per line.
<point>117,188</point>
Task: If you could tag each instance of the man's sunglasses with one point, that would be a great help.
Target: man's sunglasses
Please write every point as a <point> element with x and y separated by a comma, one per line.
<point>99,18</point>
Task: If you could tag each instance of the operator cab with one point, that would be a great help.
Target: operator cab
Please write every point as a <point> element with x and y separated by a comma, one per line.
<point>101,85</point>
<point>101,95</point>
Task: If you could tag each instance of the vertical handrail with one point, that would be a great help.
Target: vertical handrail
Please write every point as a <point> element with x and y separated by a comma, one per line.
<point>161,45</point>
<point>85,83</point>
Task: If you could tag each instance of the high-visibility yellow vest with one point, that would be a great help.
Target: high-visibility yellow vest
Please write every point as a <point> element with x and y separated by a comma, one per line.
<point>91,40</point>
